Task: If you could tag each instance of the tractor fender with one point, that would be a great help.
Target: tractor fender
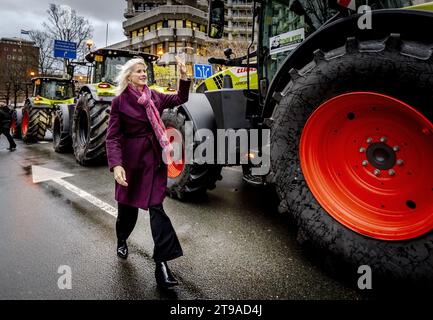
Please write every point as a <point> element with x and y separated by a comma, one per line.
<point>68,115</point>
<point>92,90</point>
<point>199,111</point>
<point>410,24</point>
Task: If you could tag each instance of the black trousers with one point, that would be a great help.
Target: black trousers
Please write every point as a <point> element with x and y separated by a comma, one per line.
<point>11,141</point>
<point>166,243</point>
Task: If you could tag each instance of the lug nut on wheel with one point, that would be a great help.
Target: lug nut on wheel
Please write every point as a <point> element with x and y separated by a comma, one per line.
<point>361,149</point>
<point>376,172</point>
<point>396,148</point>
<point>400,162</point>
<point>391,172</point>
<point>365,163</point>
<point>369,140</point>
<point>383,139</point>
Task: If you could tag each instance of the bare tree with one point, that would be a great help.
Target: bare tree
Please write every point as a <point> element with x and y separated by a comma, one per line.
<point>63,24</point>
<point>239,47</point>
<point>319,11</point>
<point>45,43</point>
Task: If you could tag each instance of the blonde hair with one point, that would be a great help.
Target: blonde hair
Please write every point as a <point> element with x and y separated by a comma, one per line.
<point>125,72</point>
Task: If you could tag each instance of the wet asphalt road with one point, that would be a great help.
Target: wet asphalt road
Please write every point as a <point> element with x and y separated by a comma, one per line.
<point>236,245</point>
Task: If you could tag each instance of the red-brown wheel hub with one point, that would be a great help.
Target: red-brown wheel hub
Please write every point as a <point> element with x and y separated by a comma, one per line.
<point>368,160</point>
<point>25,123</point>
<point>175,166</point>
<point>13,127</point>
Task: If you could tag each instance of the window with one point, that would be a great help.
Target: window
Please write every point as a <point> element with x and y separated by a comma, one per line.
<point>6,49</point>
<point>145,30</point>
<point>9,57</point>
<point>179,23</point>
<point>172,24</point>
<point>188,24</point>
<point>180,45</point>
<point>171,47</point>
<point>160,49</point>
<point>194,26</point>
<point>134,34</point>
<point>152,27</point>
<point>14,50</point>
<point>146,49</point>
<point>159,25</point>
<point>203,28</point>
<point>140,32</point>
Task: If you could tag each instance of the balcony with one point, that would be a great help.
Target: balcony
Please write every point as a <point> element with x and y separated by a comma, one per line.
<point>200,35</point>
<point>167,58</point>
<point>137,40</point>
<point>184,32</point>
<point>241,18</point>
<point>149,36</point>
<point>165,32</point>
<point>128,13</point>
<point>176,12</point>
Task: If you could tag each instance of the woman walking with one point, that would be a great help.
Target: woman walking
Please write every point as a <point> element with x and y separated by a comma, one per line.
<point>135,141</point>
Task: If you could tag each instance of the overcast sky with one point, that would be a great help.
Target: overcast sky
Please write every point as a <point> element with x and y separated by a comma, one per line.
<point>29,14</point>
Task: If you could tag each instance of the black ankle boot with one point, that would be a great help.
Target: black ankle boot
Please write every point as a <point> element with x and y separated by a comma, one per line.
<point>163,275</point>
<point>122,249</point>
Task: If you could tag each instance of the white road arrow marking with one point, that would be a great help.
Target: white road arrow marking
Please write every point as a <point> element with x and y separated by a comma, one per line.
<point>41,174</point>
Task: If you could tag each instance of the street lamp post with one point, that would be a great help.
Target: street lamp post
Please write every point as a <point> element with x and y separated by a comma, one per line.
<point>27,84</point>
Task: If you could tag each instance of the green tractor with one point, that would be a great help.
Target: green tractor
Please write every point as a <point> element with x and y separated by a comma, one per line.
<point>31,121</point>
<point>346,98</point>
<point>82,126</point>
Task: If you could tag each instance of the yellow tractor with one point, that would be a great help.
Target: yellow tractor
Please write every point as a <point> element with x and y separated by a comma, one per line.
<point>32,121</point>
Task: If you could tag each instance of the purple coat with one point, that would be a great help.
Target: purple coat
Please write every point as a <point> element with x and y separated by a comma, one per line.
<point>132,144</point>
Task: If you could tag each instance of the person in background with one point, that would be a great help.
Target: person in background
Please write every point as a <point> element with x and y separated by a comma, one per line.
<point>5,125</point>
<point>135,142</point>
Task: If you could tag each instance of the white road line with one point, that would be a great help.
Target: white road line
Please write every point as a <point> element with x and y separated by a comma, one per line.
<point>87,196</point>
<point>41,174</point>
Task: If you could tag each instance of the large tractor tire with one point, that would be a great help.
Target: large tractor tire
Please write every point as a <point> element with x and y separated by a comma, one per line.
<point>187,181</point>
<point>352,154</point>
<point>62,139</point>
<point>17,117</point>
<point>34,123</point>
<point>89,130</point>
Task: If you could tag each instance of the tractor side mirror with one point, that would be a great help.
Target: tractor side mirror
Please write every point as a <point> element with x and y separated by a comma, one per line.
<point>216,19</point>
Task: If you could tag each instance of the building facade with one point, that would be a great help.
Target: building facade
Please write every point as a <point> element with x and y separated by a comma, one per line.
<point>171,27</point>
<point>19,60</point>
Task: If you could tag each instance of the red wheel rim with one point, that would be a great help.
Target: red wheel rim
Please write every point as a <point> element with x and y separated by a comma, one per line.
<point>175,166</point>
<point>13,126</point>
<point>367,159</point>
<point>25,123</point>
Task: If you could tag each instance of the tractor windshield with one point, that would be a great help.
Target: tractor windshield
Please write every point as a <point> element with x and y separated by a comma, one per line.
<point>286,23</point>
<point>108,69</point>
<point>56,90</point>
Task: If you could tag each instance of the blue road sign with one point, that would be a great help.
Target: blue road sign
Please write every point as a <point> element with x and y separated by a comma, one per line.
<point>202,71</point>
<point>65,49</point>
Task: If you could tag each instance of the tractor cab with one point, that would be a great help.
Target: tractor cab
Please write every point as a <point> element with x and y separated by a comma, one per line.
<point>107,63</point>
<point>50,90</point>
<point>285,24</point>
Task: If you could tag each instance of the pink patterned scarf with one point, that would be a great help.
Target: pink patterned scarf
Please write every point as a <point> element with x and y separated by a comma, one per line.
<point>144,98</point>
